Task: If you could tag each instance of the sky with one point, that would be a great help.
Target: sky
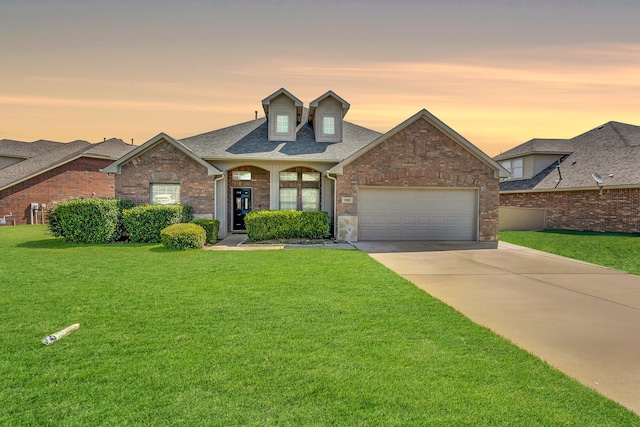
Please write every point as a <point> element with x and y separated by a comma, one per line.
<point>499,72</point>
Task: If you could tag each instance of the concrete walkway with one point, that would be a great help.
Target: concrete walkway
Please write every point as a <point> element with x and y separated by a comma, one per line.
<point>581,318</point>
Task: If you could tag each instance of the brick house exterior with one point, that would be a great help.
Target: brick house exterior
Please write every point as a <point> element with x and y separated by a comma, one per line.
<point>166,164</point>
<point>421,155</point>
<point>65,171</point>
<point>587,183</point>
<point>299,158</point>
<point>615,210</point>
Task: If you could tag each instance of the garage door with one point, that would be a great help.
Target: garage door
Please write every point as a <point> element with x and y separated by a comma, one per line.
<point>417,214</point>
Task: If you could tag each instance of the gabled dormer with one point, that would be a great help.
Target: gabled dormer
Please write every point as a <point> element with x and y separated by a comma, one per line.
<point>326,115</point>
<point>283,112</point>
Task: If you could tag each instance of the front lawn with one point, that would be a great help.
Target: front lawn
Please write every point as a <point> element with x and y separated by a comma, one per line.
<point>256,338</point>
<point>613,250</point>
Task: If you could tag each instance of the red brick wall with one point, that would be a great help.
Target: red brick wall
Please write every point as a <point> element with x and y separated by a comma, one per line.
<point>613,211</point>
<point>79,178</point>
<point>165,164</point>
<point>422,156</point>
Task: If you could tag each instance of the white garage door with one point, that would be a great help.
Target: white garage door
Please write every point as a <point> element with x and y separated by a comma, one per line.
<point>417,214</point>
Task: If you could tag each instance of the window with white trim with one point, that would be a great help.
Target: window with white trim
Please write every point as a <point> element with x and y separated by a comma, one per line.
<point>282,123</point>
<point>329,125</point>
<point>165,194</point>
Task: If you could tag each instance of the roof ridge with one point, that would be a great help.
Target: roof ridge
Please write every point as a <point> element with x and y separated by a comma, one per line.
<point>620,135</point>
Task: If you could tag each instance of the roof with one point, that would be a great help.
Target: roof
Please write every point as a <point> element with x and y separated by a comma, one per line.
<point>61,154</point>
<point>250,141</point>
<point>24,150</point>
<point>161,137</point>
<point>424,114</point>
<point>538,146</point>
<point>611,150</point>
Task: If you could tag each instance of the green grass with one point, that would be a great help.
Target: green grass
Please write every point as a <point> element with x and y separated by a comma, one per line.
<point>256,338</point>
<point>613,250</point>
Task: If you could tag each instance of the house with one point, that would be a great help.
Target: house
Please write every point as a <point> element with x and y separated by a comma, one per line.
<point>419,181</point>
<point>35,174</point>
<point>589,182</point>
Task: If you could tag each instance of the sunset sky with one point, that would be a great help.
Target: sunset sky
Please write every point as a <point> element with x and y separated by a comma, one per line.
<point>498,72</point>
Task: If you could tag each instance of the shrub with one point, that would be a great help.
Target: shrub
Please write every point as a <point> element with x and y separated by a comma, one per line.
<point>187,213</point>
<point>85,220</point>
<point>122,205</point>
<point>211,226</point>
<point>266,225</point>
<point>144,223</point>
<point>183,236</point>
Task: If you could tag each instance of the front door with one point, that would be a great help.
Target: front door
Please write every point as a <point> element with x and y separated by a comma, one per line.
<point>241,207</point>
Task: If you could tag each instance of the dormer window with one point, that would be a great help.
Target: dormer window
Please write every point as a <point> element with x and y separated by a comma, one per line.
<point>284,113</point>
<point>282,124</point>
<point>326,115</point>
<point>329,125</point>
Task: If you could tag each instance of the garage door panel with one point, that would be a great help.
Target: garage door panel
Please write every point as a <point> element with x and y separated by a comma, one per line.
<point>423,214</point>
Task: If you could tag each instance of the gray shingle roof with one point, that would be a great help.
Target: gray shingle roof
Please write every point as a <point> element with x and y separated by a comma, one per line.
<point>610,149</point>
<point>538,146</point>
<point>59,155</point>
<point>24,150</point>
<point>250,140</point>
<point>113,148</point>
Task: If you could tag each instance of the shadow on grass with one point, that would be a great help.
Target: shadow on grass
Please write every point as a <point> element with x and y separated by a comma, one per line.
<point>61,244</point>
<point>589,233</point>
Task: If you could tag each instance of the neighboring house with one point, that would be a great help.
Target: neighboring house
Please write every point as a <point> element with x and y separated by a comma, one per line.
<point>419,181</point>
<point>35,174</point>
<point>590,182</point>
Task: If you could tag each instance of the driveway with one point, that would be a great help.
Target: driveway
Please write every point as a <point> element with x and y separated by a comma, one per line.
<point>581,318</point>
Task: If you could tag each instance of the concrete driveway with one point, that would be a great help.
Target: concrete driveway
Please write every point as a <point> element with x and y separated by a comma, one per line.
<point>581,318</point>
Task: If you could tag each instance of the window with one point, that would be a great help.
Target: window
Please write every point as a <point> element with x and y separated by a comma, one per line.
<point>282,124</point>
<point>241,175</point>
<point>328,125</point>
<point>288,199</point>
<point>288,176</point>
<point>310,199</point>
<point>300,189</point>
<point>310,176</point>
<point>165,194</point>
<point>514,166</point>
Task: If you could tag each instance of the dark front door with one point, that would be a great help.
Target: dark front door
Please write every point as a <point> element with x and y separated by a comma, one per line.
<point>241,207</point>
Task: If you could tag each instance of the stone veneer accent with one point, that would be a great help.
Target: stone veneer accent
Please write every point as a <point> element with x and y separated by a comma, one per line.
<point>347,228</point>
<point>615,210</point>
<point>420,155</point>
<point>165,164</point>
<point>79,178</point>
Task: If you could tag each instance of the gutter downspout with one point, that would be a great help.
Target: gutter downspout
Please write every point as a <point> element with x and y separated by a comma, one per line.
<point>335,205</point>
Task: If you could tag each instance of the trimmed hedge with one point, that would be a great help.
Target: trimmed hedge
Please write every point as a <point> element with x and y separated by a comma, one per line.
<point>211,226</point>
<point>267,225</point>
<point>87,220</point>
<point>183,236</point>
<point>144,223</point>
